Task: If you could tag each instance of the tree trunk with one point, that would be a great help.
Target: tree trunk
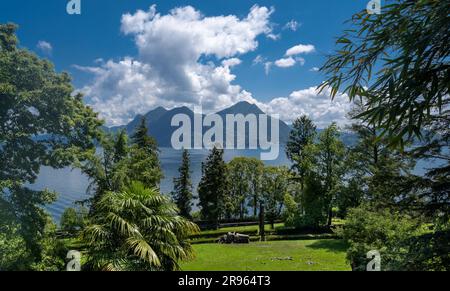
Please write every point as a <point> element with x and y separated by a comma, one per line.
<point>330,216</point>
<point>255,205</point>
<point>302,182</point>
<point>375,155</point>
<point>216,221</point>
<point>261,222</point>
<point>216,225</point>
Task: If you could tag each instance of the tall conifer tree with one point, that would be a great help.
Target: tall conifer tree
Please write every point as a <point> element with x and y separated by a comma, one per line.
<point>182,193</point>
<point>213,186</point>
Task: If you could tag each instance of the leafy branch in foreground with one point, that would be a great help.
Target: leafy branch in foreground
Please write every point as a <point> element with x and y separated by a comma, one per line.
<point>397,65</point>
<point>399,61</point>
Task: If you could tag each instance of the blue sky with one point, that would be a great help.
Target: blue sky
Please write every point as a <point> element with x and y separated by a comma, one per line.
<point>209,52</point>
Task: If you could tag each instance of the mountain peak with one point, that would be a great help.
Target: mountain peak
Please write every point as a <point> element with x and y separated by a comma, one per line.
<point>181,110</point>
<point>157,110</point>
<point>159,120</point>
<point>242,107</point>
<point>244,102</point>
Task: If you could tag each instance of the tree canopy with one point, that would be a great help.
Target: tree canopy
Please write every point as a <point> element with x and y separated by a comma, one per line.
<point>42,123</point>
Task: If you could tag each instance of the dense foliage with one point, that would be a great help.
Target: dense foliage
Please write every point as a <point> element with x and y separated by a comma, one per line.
<point>42,123</point>
<point>274,188</point>
<point>320,179</point>
<point>213,187</point>
<point>396,65</point>
<point>137,229</point>
<point>73,220</point>
<point>302,136</point>
<point>119,163</point>
<point>245,187</point>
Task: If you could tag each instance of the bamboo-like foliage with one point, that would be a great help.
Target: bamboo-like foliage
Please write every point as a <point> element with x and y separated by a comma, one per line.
<point>399,62</point>
<point>137,229</point>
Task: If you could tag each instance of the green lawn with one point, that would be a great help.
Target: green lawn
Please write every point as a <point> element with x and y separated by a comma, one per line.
<point>302,255</point>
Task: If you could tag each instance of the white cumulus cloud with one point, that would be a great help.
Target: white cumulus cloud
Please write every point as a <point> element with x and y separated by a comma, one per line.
<point>285,63</point>
<point>318,106</point>
<point>300,49</point>
<point>231,62</point>
<point>290,59</point>
<point>169,70</point>
<point>187,58</point>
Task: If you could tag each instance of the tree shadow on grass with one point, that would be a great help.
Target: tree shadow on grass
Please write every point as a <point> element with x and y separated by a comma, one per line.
<point>332,245</point>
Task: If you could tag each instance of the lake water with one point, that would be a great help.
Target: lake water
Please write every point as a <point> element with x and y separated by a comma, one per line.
<point>71,184</point>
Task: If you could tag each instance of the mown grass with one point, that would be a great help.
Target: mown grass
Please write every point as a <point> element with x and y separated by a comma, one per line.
<point>302,252</point>
<point>300,255</point>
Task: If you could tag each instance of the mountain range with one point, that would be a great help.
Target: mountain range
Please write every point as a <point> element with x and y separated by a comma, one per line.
<point>159,122</point>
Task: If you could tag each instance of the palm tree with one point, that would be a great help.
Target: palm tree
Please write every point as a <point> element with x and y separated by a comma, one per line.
<point>137,229</point>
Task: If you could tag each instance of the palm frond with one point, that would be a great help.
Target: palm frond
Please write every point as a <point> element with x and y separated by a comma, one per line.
<point>138,229</point>
<point>143,250</point>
